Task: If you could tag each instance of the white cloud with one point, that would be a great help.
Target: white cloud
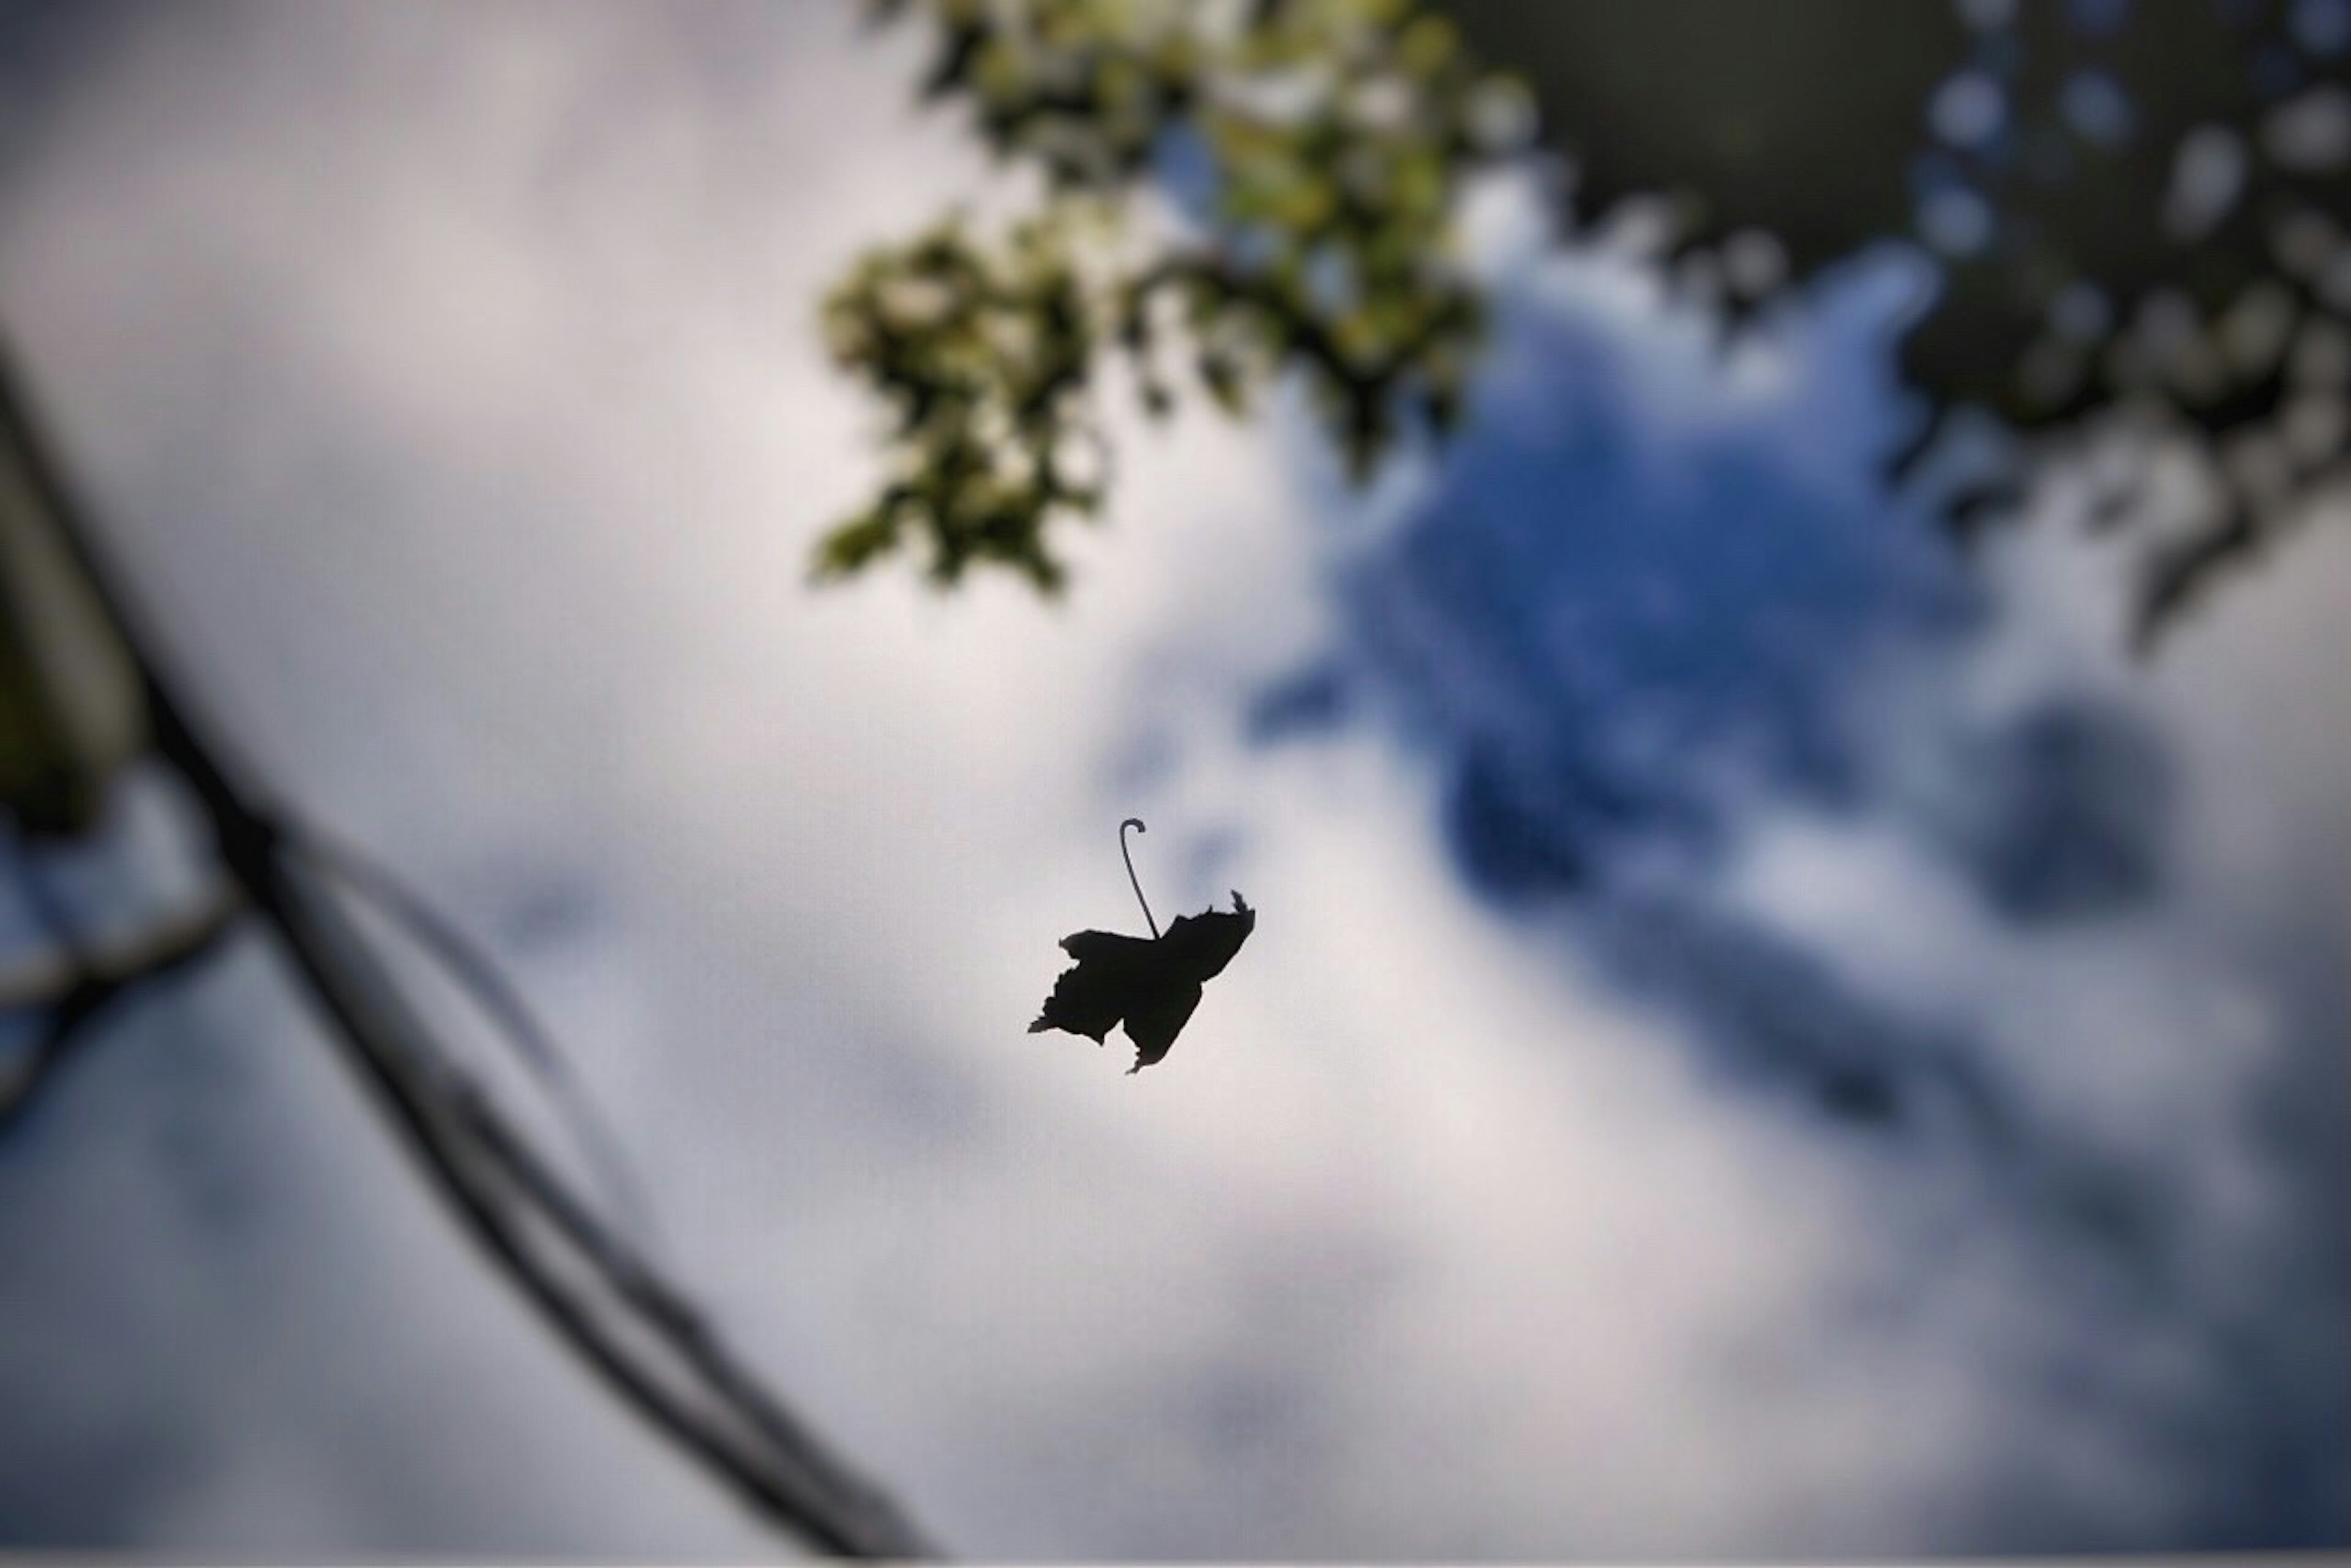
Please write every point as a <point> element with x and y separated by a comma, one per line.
<point>451,377</point>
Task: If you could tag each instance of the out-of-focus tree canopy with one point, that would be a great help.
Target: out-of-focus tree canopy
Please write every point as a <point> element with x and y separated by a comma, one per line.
<point>2139,206</point>
<point>1317,148</point>
<point>2139,209</point>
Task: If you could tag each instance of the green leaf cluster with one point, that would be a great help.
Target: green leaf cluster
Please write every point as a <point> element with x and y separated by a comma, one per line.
<point>982,354</point>
<point>1322,145</point>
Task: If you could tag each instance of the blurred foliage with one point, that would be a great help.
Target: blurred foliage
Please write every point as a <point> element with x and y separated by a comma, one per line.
<point>2139,207</point>
<point>1316,151</point>
<point>72,709</point>
<point>983,356</point>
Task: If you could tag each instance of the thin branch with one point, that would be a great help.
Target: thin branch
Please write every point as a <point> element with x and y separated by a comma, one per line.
<point>76,993</point>
<point>709,1408</point>
<point>46,981</point>
<point>480,979</point>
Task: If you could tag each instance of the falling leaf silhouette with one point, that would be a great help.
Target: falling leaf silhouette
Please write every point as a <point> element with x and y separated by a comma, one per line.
<point>1152,984</point>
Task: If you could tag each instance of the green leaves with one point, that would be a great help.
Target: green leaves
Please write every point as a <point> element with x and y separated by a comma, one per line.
<point>980,354</point>
<point>1335,137</point>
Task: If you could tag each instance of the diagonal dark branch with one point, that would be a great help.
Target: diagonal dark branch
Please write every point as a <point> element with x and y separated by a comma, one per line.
<point>480,978</point>
<point>637,1333</point>
<point>74,992</point>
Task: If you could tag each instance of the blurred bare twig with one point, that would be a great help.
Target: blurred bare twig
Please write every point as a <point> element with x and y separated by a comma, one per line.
<point>75,986</point>
<point>639,1332</point>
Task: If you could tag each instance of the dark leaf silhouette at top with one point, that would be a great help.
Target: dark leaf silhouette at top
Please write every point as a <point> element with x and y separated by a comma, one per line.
<point>1151,983</point>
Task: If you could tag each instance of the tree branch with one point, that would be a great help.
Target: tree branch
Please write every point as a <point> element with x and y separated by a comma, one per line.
<point>47,979</point>
<point>701,1400</point>
<point>76,989</point>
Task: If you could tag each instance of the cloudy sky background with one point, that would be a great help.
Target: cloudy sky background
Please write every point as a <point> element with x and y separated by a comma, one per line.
<point>1761,1039</point>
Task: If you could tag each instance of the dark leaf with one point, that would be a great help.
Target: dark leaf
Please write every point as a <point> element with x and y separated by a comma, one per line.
<point>1150,984</point>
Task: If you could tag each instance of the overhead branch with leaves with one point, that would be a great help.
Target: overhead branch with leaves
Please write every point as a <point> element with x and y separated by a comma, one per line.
<point>2139,210</point>
<point>1317,151</point>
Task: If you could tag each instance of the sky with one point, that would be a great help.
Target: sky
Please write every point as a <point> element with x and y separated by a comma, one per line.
<point>1764,1037</point>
